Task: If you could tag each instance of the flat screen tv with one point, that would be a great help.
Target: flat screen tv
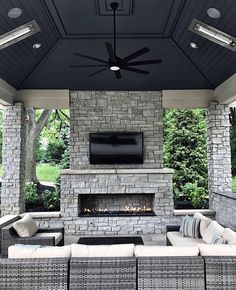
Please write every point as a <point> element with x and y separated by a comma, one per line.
<point>116,148</point>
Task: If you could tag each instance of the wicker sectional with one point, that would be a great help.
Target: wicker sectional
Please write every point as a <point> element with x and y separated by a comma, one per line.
<point>120,273</point>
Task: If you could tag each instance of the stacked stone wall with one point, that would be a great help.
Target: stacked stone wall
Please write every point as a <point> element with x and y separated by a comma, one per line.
<point>13,160</point>
<point>102,111</point>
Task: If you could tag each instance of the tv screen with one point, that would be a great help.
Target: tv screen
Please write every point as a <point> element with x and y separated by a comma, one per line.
<point>116,148</point>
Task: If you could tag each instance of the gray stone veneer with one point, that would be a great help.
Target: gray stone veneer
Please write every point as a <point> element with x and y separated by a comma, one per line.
<point>12,197</point>
<point>219,155</point>
<point>123,181</point>
<point>101,111</point>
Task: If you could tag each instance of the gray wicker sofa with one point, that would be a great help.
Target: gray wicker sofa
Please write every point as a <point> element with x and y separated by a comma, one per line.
<point>119,273</point>
<point>113,273</point>
<point>10,237</point>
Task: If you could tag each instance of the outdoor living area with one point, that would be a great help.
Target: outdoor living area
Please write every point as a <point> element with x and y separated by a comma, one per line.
<point>118,74</point>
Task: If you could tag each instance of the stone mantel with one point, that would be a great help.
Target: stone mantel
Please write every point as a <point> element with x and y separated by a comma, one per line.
<point>117,171</point>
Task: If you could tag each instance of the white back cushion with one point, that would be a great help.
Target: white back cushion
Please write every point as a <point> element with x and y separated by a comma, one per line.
<point>229,236</point>
<point>158,251</point>
<point>205,221</point>
<point>212,229</point>
<point>122,250</point>
<point>25,227</point>
<point>42,252</point>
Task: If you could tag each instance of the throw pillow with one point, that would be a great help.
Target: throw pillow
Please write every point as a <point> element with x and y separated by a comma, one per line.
<point>191,228</point>
<point>204,222</point>
<point>182,223</point>
<point>25,227</point>
<point>217,239</point>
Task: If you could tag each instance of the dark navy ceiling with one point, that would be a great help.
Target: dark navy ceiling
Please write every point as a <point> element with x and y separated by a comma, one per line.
<point>69,26</point>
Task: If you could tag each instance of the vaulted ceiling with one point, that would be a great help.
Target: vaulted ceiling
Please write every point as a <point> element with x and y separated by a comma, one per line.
<point>70,26</point>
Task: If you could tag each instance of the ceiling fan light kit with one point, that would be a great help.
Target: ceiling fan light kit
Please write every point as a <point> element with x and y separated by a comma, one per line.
<point>116,63</point>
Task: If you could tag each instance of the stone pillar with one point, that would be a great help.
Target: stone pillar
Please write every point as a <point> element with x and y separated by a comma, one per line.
<point>219,154</point>
<point>13,161</point>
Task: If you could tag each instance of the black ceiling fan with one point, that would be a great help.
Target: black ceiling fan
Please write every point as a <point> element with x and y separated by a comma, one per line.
<point>115,63</point>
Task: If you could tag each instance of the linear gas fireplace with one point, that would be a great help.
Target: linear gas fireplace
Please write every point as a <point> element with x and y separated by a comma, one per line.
<point>95,205</point>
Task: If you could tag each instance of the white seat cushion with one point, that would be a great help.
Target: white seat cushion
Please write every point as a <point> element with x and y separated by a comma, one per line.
<point>122,250</point>
<point>212,229</point>
<point>177,239</point>
<point>58,236</point>
<point>204,222</point>
<point>43,252</point>
<point>217,250</point>
<point>158,251</point>
<point>229,236</point>
<point>25,227</point>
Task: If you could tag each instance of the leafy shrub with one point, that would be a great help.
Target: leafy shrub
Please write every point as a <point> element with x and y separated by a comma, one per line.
<point>196,194</point>
<point>54,152</point>
<point>185,150</point>
<point>51,200</point>
<point>31,195</point>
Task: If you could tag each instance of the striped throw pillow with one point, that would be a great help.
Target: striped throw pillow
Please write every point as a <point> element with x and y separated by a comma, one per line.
<point>191,228</point>
<point>217,239</point>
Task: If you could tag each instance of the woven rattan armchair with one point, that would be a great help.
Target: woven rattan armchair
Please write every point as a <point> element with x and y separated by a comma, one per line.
<point>34,274</point>
<point>10,237</point>
<point>113,273</point>
<point>171,228</point>
<point>169,273</point>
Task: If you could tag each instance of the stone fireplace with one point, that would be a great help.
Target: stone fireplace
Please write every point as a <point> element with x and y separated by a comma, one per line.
<point>116,199</point>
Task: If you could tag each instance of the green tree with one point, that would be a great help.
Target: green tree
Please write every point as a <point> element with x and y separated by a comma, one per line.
<point>185,148</point>
<point>54,139</point>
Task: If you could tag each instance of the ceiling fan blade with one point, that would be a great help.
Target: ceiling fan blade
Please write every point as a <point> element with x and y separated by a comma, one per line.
<point>111,52</point>
<point>144,62</point>
<point>136,70</point>
<point>92,65</point>
<point>91,57</point>
<point>97,72</point>
<point>136,54</point>
<point>118,74</point>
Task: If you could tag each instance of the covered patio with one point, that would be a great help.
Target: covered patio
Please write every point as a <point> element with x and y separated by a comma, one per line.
<point>73,58</point>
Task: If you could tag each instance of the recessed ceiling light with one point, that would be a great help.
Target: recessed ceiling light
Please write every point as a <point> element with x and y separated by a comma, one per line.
<point>37,45</point>
<point>14,12</point>
<point>193,45</point>
<point>114,68</point>
<point>213,34</point>
<point>213,13</point>
<point>19,33</point>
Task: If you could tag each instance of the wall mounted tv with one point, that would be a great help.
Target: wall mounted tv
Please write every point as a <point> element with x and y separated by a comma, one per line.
<point>116,148</point>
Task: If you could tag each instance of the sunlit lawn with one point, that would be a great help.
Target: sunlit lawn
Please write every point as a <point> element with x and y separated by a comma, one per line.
<point>234,184</point>
<point>45,172</point>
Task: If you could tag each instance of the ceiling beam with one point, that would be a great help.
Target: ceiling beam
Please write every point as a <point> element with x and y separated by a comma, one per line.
<point>226,92</point>
<point>7,93</point>
<point>44,99</point>
<point>186,99</point>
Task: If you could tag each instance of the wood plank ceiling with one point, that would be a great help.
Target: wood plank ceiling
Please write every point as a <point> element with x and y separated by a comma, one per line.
<point>83,26</point>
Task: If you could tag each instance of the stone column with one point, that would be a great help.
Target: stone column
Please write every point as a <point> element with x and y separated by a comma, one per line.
<point>219,153</point>
<point>13,160</point>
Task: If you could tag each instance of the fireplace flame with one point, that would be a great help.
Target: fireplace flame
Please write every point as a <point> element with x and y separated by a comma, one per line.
<point>126,209</point>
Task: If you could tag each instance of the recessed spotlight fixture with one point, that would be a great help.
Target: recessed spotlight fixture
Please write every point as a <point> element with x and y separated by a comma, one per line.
<point>14,13</point>
<point>213,13</point>
<point>213,34</point>
<point>114,68</point>
<point>18,34</point>
<point>37,45</point>
<point>193,45</point>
